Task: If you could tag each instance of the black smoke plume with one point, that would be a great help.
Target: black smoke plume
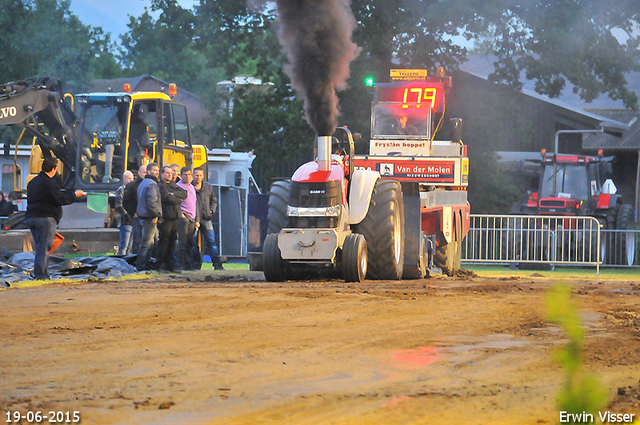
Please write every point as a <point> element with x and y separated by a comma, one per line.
<point>316,37</point>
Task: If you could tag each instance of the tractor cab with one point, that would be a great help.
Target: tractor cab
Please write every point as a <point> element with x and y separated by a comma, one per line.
<point>569,185</point>
<point>393,120</point>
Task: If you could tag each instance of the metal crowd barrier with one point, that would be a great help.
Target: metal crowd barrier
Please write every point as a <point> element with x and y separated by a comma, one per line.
<point>553,240</point>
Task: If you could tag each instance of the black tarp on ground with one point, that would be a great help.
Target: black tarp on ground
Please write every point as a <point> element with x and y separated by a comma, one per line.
<point>18,267</point>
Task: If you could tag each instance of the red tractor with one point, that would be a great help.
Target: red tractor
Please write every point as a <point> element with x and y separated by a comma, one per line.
<point>400,211</point>
<point>576,185</point>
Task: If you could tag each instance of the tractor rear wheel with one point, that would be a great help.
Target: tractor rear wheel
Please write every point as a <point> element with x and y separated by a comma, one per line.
<point>276,218</point>
<point>608,238</point>
<point>625,241</point>
<point>278,200</point>
<point>383,230</point>
<point>275,269</point>
<point>354,258</point>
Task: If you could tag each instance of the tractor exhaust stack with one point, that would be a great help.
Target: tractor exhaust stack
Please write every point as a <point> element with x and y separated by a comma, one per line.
<point>324,153</point>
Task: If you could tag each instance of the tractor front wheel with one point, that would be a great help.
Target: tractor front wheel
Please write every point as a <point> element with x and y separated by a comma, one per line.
<point>447,256</point>
<point>275,269</point>
<point>354,258</point>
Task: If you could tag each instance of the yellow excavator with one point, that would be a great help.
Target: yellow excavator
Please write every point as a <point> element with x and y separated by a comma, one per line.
<point>97,136</point>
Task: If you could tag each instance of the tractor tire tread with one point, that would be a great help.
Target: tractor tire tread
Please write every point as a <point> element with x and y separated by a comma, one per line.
<point>378,231</point>
<point>278,201</point>
<point>274,267</point>
<point>624,220</point>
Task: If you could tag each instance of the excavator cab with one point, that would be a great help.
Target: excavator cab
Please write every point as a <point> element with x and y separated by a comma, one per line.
<point>103,142</point>
<point>129,130</point>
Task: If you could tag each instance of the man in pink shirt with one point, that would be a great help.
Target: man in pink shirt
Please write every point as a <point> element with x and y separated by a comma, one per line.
<point>187,250</point>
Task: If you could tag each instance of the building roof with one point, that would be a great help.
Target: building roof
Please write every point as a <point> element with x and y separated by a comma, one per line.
<point>629,140</point>
<point>602,112</point>
<point>482,65</point>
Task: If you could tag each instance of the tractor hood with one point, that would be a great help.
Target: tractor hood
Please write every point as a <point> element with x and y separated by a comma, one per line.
<point>311,172</point>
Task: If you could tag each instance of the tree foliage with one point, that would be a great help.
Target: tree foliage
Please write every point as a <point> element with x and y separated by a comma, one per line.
<point>270,122</point>
<point>164,48</point>
<point>563,42</point>
<point>42,37</point>
<point>239,37</point>
<point>557,43</point>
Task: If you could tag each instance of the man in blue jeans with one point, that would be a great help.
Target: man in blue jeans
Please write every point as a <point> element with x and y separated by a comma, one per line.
<point>130,204</point>
<point>150,212</point>
<point>124,219</point>
<point>188,258</point>
<point>45,199</point>
<point>207,205</point>
<point>171,196</point>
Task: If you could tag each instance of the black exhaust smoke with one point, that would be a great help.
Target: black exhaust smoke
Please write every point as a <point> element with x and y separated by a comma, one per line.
<point>316,37</point>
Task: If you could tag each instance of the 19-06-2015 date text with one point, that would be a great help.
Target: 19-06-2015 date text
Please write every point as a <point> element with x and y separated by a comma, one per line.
<point>47,417</point>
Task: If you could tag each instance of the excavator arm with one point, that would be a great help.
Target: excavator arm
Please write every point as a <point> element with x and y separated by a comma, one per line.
<point>38,107</point>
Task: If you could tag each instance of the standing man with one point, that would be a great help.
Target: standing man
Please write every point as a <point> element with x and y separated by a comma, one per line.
<point>176,172</point>
<point>188,223</point>
<point>149,212</point>
<point>124,219</point>
<point>130,204</point>
<point>172,197</point>
<point>45,199</point>
<point>207,205</point>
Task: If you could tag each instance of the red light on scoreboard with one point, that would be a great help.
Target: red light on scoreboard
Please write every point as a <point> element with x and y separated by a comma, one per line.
<point>418,94</point>
<point>414,95</point>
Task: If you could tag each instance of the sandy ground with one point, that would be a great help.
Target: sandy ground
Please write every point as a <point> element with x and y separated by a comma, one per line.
<point>230,348</point>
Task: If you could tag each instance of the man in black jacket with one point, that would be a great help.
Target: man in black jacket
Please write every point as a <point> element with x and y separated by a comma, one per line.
<point>45,199</point>
<point>124,219</point>
<point>172,197</point>
<point>207,205</point>
<point>130,204</point>
<point>150,212</point>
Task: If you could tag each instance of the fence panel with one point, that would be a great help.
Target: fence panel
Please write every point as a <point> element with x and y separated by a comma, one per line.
<point>554,240</point>
<point>619,248</point>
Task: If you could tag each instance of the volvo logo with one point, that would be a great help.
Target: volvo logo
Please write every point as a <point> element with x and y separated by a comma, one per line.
<point>9,111</point>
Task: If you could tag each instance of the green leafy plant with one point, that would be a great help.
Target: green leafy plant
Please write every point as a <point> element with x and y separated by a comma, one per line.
<point>582,391</point>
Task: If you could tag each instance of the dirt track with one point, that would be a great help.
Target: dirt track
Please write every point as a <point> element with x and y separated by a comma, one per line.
<point>229,348</point>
